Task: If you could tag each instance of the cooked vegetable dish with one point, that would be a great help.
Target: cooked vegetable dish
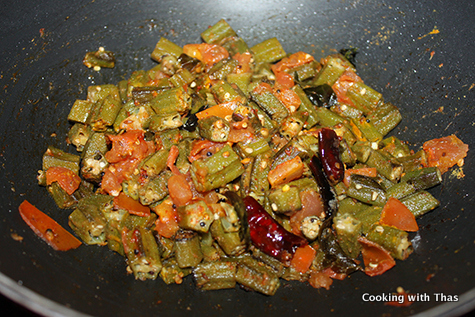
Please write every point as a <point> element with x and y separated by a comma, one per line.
<point>241,165</point>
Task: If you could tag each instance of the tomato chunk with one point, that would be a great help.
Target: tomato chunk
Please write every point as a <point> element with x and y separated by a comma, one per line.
<point>396,214</point>
<point>131,205</point>
<point>445,152</point>
<point>67,179</point>
<point>376,259</point>
<point>303,258</point>
<point>47,229</point>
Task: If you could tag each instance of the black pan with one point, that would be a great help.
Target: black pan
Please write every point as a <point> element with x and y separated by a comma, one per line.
<point>419,54</point>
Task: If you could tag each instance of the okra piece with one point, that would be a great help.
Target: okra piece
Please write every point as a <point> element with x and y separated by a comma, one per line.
<point>214,128</point>
<point>156,163</point>
<point>62,199</point>
<point>222,68</point>
<point>368,215</point>
<point>245,180</point>
<point>165,47</point>
<point>307,106</point>
<point>253,148</point>
<point>276,266</point>
<point>414,181</point>
<point>350,206</point>
<point>348,230</point>
<point>420,202</point>
<point>171,101</point>
<point>94,162</point>
<point>241,80</point>
<point>367,190</point>
<point>166,246</point>
<point>217,170</point>
<point>99,58</point>
<point>223,92</point>
<point>362,150</point>
<point>385,117</point>
<point>78,135</point>
<point>134,221</point>
<point>235,45</point>
<point>293,124</point>
<point>328,118</point>
<point>259,182</point>
<point>189,63</point>
<point>113,234</point>
<point>392,239</point>
<point>331,71</point>
<point>363,97</point>
<point>88,219</point>
<point>159,123</point>
<point>230,242</point>
<point>413,162</point>
<point>181,78</point>
<point>347,111</point>
<point>255,276</point>
<point>143,94</point>
<point>269,103</point>
<point>195,216</point>
<point>142,254</point>
<point>285,199</point>
<point>56,157</point>
<point>386,165</point>
<point>122,86</point>
<point>97,93</point>
<point>215,275</point>
<point>368,130</point>
<point>187,249</point>
<point>395,147</point>
<point>155,190</point>
<point>171,273</point>
<point>80,111</point>
<point>218,32</point>
<point>106,114</point>
<point>131,187</point>
<point>347,156</point>
<point>268,51</point>
<point>305,71</point>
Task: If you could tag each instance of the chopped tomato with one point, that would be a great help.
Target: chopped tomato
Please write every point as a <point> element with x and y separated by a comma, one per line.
<point>340,87</point>
<point>286,172</point>
<point>67,179</point>
<point>128,149</point>
<point>167,222</point>
<point>241,135</point>
<point>376,259</point>
<point>297,59</point>
<point>288,97</point>
<point>311,206</point>
<point>47,229</point>
<point>365,171</point>
<point>179,189</point>
<point>396,214</point>
<point>244,60</point>
<point>303,258</point>
<point>221,110</point>
<point>445,152</point>
<point>172,156</point>
<point>284,80</point>
<point>209,54</point>
<point>320,280</point>
<point>262,88</point>
<point>122,201</point>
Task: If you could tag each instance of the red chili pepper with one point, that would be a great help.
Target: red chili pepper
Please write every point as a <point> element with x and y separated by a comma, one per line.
<point>329,150</point>
<point>268,235</point>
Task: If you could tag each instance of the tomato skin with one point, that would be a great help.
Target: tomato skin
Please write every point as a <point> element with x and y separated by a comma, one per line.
<point>128,149</point>
<point>320,280</point>
<point>445,152</point>
<point>376,259</point>
<point>340,87</point>
<point>179,190</point>
<point>396,214</point>
<point>167,222</point>
<point>209,54</point>
<point>122,201</point>
<point>303,258</point>
<point>67,179</point>
<point>47,229</point>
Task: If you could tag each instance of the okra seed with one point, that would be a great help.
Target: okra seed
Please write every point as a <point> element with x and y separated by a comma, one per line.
<point>274,207</point>
<point>358,186</point>
<point>244,125</point>
<point>248,150</point>
<point>363,91</point>
<point>286,188</point>
<point>226,154</point>
<point>49,234</point>
<point>374,195</point>
<point>227,95</point>
<point>264,132</point>
<point>263,164</point>
<point>101,49</point>
<point>97,68</point>
<point>343,107</point>
<point>246,160</point>
<point>379,229</point>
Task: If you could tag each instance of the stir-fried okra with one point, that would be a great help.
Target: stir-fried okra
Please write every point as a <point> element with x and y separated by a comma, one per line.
<point>243,166</point>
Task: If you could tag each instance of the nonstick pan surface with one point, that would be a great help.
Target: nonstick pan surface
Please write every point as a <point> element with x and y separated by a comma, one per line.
<point>419,54</point>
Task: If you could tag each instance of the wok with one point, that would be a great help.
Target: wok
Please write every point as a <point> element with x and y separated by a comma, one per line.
<point>419,54</point>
